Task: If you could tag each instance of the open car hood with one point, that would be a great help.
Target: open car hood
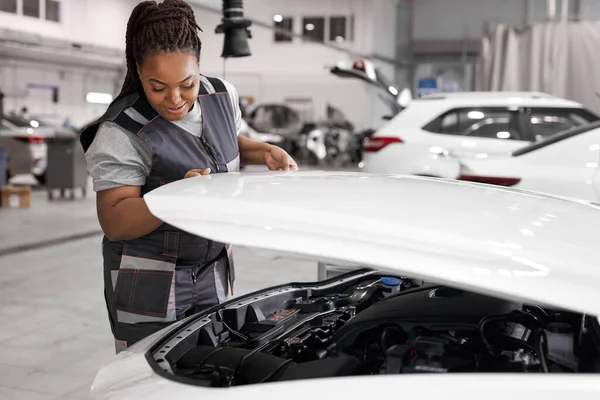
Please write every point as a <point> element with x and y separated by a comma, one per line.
<point>512,244</point>
<point>365,70</point>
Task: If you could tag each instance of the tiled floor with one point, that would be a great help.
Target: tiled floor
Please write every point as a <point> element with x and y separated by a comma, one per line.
<point>54,334</point>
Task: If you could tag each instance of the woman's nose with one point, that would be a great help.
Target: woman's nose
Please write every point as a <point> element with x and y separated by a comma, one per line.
<point>174,97</point>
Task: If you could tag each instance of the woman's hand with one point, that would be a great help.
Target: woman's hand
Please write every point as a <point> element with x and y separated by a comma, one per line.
<point>196,172</point>
<point>257,153</point>
<point>277,159</point>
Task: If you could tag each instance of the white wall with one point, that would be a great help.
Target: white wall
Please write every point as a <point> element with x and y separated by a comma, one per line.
<point>275,71</point>
<point>590,10</point>
<point>98,22</point>
<point>458,19</point>
<point>73,84</point>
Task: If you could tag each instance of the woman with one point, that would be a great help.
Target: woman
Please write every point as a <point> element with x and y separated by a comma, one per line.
<point>168,123</point>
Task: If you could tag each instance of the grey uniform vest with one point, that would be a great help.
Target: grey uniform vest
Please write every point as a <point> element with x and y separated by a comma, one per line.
<point>169,274</point>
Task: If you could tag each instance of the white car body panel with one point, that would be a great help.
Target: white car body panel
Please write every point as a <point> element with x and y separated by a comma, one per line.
<point>524,246</point>
<point>37,159</point>
<point>137,381</point>
<point>130,377</point>
<point>569,167</point>
<point>407,157</point>
<point>517,245</point>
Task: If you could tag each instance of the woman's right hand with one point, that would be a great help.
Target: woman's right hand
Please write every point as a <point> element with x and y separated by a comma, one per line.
<point>196,172</point>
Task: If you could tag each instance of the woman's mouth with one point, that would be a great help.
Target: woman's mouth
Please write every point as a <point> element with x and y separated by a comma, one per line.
<point>176,110</point>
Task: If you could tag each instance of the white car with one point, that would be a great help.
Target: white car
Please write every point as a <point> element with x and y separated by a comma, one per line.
<point>466,124</point>
<point>461,280</point>
<point>565,164</point>
<point>25,143</point>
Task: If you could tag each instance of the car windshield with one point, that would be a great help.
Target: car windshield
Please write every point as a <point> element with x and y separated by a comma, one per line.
<point>557,138</point>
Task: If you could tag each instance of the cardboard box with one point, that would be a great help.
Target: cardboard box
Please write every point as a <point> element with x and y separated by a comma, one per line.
<point>16,196</point>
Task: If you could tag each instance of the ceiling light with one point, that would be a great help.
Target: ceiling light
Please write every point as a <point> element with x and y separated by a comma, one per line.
<point>309,27</point>
<point>476,115</point>
<point>99,98</point>
<point>34,123</point>
<point>278,18</point>
<point>503,135</point>
<point>393,90</point>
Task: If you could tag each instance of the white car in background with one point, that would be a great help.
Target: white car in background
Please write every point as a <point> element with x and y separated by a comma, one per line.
<point>416,139</point>
<point>25,142</point>
<point>465,295</point>
<point>565,164</point>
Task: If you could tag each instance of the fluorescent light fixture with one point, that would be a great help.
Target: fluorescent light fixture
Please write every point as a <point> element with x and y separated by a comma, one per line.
<point>278,18</point>
<point>503,135</point>
<point>393,90</point>
<point>476,115</point>
<point>99,98</point>
<point>34,123</point>
<point>310,27</point>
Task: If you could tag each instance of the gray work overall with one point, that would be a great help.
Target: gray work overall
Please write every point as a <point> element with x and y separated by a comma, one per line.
<point>169,274</point>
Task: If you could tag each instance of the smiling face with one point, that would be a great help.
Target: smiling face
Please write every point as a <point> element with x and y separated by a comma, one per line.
<point>171,82</point>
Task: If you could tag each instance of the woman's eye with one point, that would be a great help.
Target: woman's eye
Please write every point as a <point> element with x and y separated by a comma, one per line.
<point>191,86</point>
<point>157,90</point>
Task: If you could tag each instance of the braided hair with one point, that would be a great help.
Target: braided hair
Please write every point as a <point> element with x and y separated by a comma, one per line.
<point>152,27</point>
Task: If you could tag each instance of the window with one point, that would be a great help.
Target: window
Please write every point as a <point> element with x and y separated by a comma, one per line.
<point>546,122</point>
<point>557,138</point>
<point>492,123</point>
<point>8,6</point>
<point>284,24</point>
<point>313,29</point>
<point>493,128</point>
<point>337,29</point>
<point>31,8</point>
<point>53,10</point>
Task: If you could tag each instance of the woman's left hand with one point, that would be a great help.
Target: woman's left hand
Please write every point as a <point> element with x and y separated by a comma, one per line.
<point>277,159</point>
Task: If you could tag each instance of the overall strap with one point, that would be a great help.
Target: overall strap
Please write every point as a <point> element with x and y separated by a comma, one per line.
<point>216,83</point>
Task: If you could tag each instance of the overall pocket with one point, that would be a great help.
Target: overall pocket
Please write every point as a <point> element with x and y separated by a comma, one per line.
<point>144,288</point>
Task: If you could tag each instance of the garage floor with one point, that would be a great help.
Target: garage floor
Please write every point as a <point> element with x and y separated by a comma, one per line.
<point>54,334</point>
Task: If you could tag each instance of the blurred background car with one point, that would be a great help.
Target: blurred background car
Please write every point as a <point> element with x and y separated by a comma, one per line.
<point>466,124</point>
<point>566,164</point>
<point>25,138</point>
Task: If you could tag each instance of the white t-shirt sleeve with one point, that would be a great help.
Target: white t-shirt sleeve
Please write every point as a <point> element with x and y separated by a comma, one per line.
<point>118,158</point>
<point>235,103</point>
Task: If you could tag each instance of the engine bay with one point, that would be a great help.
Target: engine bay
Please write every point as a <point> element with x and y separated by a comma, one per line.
<point>366,323</point>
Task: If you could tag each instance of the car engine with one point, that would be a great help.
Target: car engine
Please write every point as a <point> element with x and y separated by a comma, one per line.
<point>366,324</point>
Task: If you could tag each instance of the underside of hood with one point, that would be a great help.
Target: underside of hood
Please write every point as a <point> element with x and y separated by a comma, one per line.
<point>519,245</point>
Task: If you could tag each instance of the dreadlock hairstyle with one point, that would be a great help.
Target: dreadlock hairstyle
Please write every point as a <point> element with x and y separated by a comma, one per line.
<point>152,27</point>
